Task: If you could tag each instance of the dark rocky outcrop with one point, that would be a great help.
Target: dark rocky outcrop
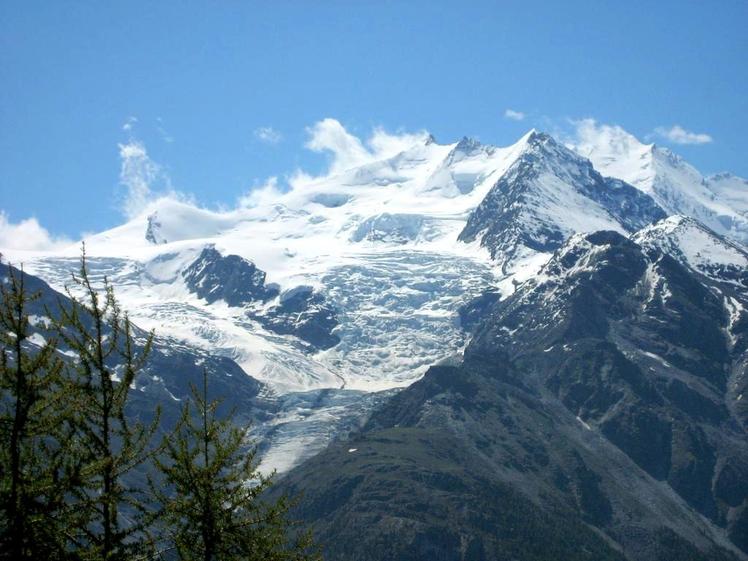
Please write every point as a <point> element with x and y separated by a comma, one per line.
<point>305,313</point>
<point>301,311</point>
<point>231,278</point>
<point>171,369</point>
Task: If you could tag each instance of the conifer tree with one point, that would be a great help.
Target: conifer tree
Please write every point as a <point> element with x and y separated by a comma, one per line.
<point>213,509</point>
<point>107,520</point>
<point>34,433</point>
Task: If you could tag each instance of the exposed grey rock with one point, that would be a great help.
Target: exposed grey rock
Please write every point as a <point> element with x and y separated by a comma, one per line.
<point>152,232</point>
<point>306,314</point>
<point>231,278</point>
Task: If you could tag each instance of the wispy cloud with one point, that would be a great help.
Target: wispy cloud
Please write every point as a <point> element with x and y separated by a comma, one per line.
<point>142,179</point>
<point>513,115</point>
<point>163,133</point>
<point>383,144</point>
<point>268,135</point>
<point>348,150</point>
<point>588,135</point>
<point>132,122</point>
<point>679,135</point>
<point>27,235</point>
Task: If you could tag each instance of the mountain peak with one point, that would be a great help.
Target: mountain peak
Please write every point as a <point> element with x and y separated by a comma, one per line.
<point>674,184</point>
<point>467,144</point>
<point>534,135</point>
<point>726,176</point>
<point>545,144</point>
<point>535,138</point>
<point>547,195</point>
<point>698,247</point>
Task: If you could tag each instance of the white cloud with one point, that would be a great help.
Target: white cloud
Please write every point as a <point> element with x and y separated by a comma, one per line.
<point>589,135</point>
<point>348,151</point>
<point>679,135</point>
<point>27,235</point>
<point>268,135</point>
<point>144,181</point>
<point>142,178</point>
<point>514,115</point>
<point>265,194</point>
<point>137,172</point>
<point>384,145</point>
<point>300,179</point>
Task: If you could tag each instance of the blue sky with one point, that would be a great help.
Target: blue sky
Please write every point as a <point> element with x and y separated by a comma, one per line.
<point>222,93</point>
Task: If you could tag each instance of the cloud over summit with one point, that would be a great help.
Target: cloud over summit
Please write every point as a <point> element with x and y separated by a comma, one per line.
<point>348,150</point>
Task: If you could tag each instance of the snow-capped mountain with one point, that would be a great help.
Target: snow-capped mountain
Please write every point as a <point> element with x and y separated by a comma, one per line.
<point>698,247</point>
<point>719,201</point>
<point>353,282</point>
<point>548,194</point>
<point>377,243</point>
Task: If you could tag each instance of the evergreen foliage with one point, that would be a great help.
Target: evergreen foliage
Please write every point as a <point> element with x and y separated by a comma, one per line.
<point>72,455</point>
<point>107,522</point>
<point>214,510</point>
<point>34,434</point>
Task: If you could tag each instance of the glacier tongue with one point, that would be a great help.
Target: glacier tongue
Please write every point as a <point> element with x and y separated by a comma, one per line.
<point>398,314</point>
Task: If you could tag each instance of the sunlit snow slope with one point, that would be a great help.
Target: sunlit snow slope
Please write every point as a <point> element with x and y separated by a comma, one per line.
<point>719,201</point>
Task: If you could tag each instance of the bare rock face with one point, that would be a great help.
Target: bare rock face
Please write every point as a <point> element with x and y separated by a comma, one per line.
<point>301,311</point>
<point>306,314</point>
<point>153,230</point>
<point>231,278</point>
